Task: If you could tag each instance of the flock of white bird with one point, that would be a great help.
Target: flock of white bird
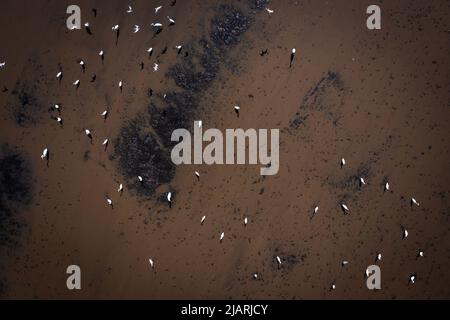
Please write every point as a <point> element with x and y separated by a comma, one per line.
<point>46,152</point>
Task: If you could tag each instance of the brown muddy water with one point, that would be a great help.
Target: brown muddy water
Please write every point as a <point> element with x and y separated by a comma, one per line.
<point>379,99</point>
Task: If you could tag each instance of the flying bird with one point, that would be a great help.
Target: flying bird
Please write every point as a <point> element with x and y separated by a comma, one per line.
<point>140,179</point>
<point>269,11</point>
<point>136,28</point>
<point>155,67</point>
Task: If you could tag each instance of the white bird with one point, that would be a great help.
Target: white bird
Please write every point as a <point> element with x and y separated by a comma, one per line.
<point>120,188</point>
<point>140,179</point>
<point>378,258</point>
<point>150,50</point>
<point>57,107</point>
<point>412,278</point>
<point>115,28</point>
<point>136,28</point>
<point>269,10</point>
<point>155,67</point>
<point>344,207</point>
<point>76,83</point>
<point>152,265</point>
<point>343,162</point>
<point>200,123</point>
<point>169,197</point>
<point>203,220</point>
<point>59,75</point>
<point>104,114</point>
<point>105,142</point>
<point>361,180</point>
<point>179,47</point>
<point>414,201</point>
<point>172,22</point>
<point>278,260</point>
<point>222,235</point>
<point>156,25</point>
<point>333,286</point>
<point>386,186</point>
<point>405,233</point>
<point>316,209</point>
<point>420,254</point>
<point>44,154</point>
<point>197,174</point>
<point>59,120</point>
<point>245,221</point>
<point>237,108</point>
<point>120,84</point>
<point>2,65</point>
<point>344,263</point>
<point>109,201</point>
<point>82,63</point>
<point>157,9</point>
<point>255,275</point>
<point>130,9</point>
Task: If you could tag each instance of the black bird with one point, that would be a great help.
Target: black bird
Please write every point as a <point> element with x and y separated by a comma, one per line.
<point>142,65</point>
<point>95,12</point>
<point>94,77</point>
<point>164,50</point>
<point>264,52</point>
<point>5,89</point>
<point>174,2</point>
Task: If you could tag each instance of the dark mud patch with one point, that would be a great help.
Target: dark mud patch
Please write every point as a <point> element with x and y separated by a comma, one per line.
<point>326,96</point>
<point>350,182</point>
<point>16,191</point>
<point>143,146</point>
<point>28,101</point>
